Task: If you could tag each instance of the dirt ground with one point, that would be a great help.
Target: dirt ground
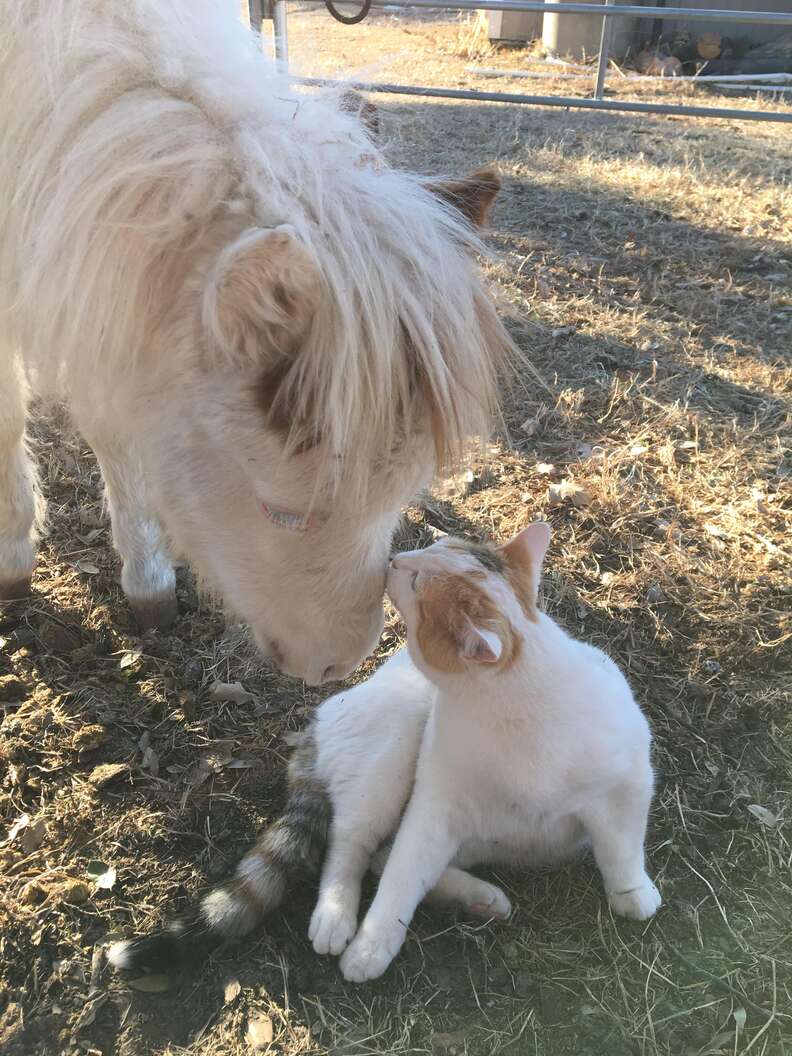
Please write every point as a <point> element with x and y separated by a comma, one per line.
<point>645,266</point>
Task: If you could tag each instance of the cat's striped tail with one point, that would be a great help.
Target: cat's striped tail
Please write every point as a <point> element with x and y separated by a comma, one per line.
<point>292,846</point>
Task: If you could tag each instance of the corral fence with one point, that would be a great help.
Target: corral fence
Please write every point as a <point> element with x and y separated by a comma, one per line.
<point>275,10</point>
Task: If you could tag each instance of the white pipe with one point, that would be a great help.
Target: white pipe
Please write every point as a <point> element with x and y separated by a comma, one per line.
<point>529,73</point>
<point>755,87</point>
<point>735,78</point>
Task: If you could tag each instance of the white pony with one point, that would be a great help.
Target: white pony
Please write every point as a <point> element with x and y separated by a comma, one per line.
<point>270,338</point>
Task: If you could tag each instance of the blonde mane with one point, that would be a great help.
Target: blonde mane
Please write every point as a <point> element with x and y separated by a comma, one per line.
<point>154,133</point>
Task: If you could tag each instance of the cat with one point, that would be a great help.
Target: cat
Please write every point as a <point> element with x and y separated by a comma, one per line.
<point>493,737</point>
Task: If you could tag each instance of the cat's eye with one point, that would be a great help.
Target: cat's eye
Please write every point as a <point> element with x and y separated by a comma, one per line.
<point>414,580</point>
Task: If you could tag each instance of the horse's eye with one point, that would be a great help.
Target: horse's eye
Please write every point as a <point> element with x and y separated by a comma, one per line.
<point>414,580</point>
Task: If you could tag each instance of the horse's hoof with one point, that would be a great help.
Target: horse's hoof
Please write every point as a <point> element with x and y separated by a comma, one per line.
<point>16,590</point>
<point>155,613</point>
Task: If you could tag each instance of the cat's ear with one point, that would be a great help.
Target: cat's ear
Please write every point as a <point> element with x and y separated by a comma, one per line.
<point>531,544</point>
<point>524,555</point>
<point>479,645</point>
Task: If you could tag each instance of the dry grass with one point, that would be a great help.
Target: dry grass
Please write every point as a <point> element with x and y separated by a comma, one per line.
<point>473,36</point>
<point>647,267</point>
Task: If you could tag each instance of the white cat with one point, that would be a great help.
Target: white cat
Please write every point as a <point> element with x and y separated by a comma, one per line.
<point>507,740</point>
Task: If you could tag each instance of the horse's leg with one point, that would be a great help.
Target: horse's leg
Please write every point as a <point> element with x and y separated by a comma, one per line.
<point>147,576</point>
<point>18,486</point>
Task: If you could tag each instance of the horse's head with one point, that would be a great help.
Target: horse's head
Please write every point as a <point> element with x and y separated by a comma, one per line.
<point>342,360</point>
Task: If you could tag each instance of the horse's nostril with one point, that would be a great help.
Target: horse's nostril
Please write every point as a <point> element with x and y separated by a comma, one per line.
<point>328,673</point>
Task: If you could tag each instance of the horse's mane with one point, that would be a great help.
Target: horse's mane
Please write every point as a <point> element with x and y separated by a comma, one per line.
<point>138,130</point>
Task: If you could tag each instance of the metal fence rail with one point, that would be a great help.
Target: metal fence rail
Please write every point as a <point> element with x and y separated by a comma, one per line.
<point>276,10</point>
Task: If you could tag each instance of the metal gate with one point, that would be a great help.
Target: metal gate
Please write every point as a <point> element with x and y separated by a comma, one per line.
<point>275,10</point>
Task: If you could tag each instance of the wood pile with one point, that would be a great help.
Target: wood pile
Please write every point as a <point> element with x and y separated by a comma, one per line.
<point>709,52</point>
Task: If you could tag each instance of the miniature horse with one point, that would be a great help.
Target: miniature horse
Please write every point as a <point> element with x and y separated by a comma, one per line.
<point>270,338</point>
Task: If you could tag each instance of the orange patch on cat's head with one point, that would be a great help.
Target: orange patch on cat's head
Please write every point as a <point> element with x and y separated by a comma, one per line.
<point>459,624</point>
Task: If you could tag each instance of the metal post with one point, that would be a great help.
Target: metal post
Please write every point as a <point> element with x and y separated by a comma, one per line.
<point>280,32</point>
<point>568,103</point>
<point>605,41</point>
<point>770,18</point>
<point>256,15</point>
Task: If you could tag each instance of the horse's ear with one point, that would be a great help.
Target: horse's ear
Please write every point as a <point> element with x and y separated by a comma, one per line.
<point>473,195</point>
<point>263,289</point>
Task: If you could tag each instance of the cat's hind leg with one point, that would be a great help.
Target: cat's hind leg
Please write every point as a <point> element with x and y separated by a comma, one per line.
<point>457,887</point>
<point>471,894</point>
<point>616,823</point>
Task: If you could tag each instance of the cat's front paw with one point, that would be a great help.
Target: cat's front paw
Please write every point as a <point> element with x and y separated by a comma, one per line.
<point>639,904</point>
<point>332,926</point>
<point>371,951</point>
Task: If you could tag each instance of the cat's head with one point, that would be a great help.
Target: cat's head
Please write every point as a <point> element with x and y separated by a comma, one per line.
<point>468,606</point>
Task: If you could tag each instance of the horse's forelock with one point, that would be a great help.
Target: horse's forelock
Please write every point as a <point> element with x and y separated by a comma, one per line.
<point>406,336</point>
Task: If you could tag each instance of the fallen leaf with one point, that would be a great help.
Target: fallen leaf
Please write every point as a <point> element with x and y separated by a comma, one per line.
<point>106,772</point>
<point>219,755</point>
<point>152,984</point>
<point>21,823</point>
<point>260,1033</point>
<point>72,892</point>
<point>546,469</point>
<point>16,774</point>
<point>88,567</point>
<point>89,1011</point>
<point>451,1044</point>
<point>150,762</point>
<point>231,991</point>
<point>569,492</point>
<point>767,817</point>
<point>230,692</point>
<point>270,707</point>
<point>34,836</point>
<point>103,876</point>
<point>199,773</point>
<point>130,658</point>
